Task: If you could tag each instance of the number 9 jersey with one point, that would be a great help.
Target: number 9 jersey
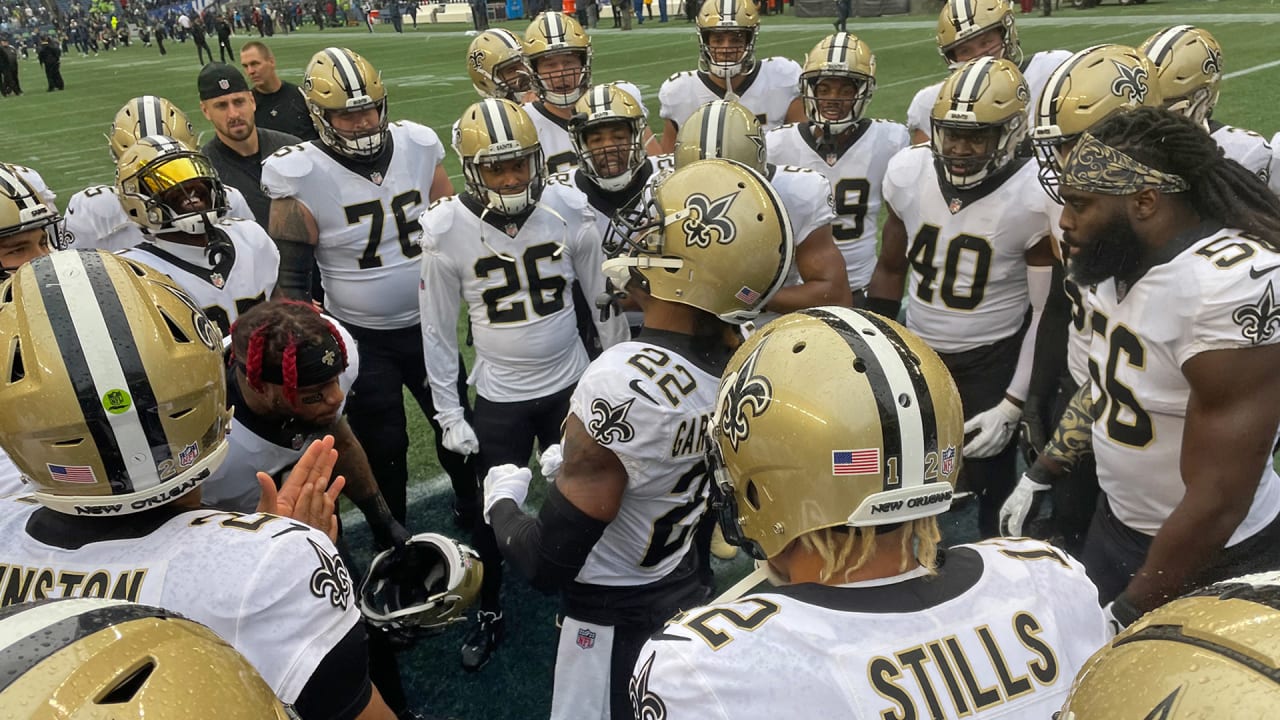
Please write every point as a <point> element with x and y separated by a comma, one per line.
<point>367,214</point>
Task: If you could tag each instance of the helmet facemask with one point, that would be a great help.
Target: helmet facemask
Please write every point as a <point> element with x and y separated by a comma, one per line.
<point>819,109</point>
<point>161,186</point>
<point>613,164</point>
<point>725,69</point>
<point>512,203</point>
<point>359,144</point>
<point>558,86</point>
<point>965,170</point>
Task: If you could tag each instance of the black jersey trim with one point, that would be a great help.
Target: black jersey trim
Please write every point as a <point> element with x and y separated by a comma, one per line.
<point>608,202</point>
<point>740,90</point>
<point>68,532</point>
<point>969,196</point>
<point>959,570</point>
<point>845,140</point>
<point>541,107</point>
<point>711,362</point>
<point>226,261</point>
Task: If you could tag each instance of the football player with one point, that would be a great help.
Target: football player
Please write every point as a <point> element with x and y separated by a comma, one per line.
<point>1211,653</point>
<point>1182,248</point>
<point>835,444</point>
<point>969,29</point>
<point>496,64</point>
<point>1188,64</point>
<point>95,215</point>
<point>351,201</point>
<point>968,229</point>
<point>99,657</point>
<point>848,149</point>
<point>172,192</point>
<point>1093,85</point>
<point>726,130</point>
<point>728,70</point>
<point>615,533</point>
<point>511,260</point>
<point>559,54</point>
<point>116,413</point>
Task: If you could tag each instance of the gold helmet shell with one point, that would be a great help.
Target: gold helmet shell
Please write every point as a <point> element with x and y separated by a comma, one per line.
<point>148,115</point>
<point>23,210</point>
<point>722,129</point>
<point>1214,653</point>
<point>841,56</point>
<point>340,80</point>
<point>832,417</point>
<point>1188,64</point>
<point>113,384</point>
<point>151,167</point>
<point>714,235</point>
<point>961,20</point>
<point>1091,86</point>
<point>553,33</point>
<point>494,131</point>
<point>90,658</point>
<point>603,105</point>
<point>492,55</point>
<point>741,16</point>
<point>984,93</point>
<point>421,587</point>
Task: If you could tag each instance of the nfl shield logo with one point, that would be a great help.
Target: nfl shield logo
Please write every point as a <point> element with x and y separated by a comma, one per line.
<point>376,177</point>
<point>188,455</point>
<point>217,280</point>
<point>586,638</point>
<point>296,442</point>
<point>956,205</point>
<point>948,460</point>
<point>512,229</point>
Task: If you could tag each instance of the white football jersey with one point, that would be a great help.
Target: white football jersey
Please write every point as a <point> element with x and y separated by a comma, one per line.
<point>553,135</point>
<point>649,404</point>
<point>1275,164</point>
<point>767,91</point>
<point>265,444</point>
<point>517,291</point>
<point>1000,632</point>
<point>967,285</point>
<point>37,183</point>
<point>806,195</point>
<point>855,176</point>
<point>1218,293</point>
<point>1078,333</point>
<point>1245,147</point>
<point>1035,70</point>
<point>10,478</point>
<point>273,588</point>
<point>603,205</point>
<point>238,281</point>
<point>368,252</point>
<point>95,219</point>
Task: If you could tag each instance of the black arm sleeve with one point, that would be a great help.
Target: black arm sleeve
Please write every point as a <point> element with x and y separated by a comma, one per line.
<point>296,260</point>
<point>548,550</point>
<point>340,688</point>
<point>1050,359</point>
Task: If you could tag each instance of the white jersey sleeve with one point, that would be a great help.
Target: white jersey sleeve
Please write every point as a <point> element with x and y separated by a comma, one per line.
<point>1245,147</point>
<point>439,298</point>
<point>95,219</point>
<point>553,135</point>
<point>999,633</point>
<point>921,108</point>
<point>38,184</point>
<point>807,197</point>
<point>237,205</point>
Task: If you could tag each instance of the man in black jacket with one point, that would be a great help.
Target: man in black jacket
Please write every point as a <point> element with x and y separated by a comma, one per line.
<point>50,56</point>
<point>9,69</point>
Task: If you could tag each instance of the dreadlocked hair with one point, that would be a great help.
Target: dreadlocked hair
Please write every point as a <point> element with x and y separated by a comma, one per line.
<point>269,335</point>
<point>1221,189</point>
<point>837,547</point>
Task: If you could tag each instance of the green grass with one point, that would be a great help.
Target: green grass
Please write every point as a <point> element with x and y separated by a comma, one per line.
<point>61,135</point>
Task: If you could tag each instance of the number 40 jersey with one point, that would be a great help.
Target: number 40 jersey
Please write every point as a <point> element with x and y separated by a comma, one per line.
<point>368,220</point>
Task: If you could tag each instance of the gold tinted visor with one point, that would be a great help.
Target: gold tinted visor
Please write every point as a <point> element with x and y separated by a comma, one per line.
<point>174,172</point>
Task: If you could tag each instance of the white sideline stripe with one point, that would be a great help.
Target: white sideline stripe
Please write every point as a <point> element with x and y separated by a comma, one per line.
<point>1254,69</point>
<point>431,488</point>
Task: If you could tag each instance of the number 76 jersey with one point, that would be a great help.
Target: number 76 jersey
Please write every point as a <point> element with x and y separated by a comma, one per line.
<point>368,221</point>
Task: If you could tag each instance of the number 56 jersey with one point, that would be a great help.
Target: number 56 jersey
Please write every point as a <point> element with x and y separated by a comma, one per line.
<point>1000,632</point>
<point>367,214</point>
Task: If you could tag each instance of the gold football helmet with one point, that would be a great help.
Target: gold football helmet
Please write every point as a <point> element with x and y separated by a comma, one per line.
<point>880,419</point>
<point>1214,653</point>
<point>713,235</point>
<point>22,211</point>
<point>842,57</point>
<point>340,80</point>
<point>613,166</point>
<point>494,131</point>
<point>961,20</point>
<point>722,129</point>
<point>1188,64</point>
<point>113,385</point>
<point>735,16</point>
<point>421,587</point>
<point>986,99</point>
<point>167,187</point>
<point>495,61</point>
<point>553,33</point>
<point>89,658</point>
<point>148,115</point>
<point>1090,87</point>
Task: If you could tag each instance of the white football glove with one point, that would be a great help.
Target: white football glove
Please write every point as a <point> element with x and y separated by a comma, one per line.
<point>1023,502</point>
<point>505,481</point>
<point>458,437</point>
<point>550,461</point>
<point>994,427</point>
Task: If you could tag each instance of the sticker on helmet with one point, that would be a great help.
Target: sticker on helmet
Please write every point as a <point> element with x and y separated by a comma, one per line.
<point>117,401</point>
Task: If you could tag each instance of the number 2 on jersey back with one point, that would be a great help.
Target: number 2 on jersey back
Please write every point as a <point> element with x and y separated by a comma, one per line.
<point>406,227</point>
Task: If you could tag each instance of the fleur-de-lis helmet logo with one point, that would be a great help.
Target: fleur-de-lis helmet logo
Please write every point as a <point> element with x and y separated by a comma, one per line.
<point>1212,63</point>
<point>1131,83</point>
<point>476,58</point>
<point>743,391</point>
<point>1260,321</point>
<point>708,220</point>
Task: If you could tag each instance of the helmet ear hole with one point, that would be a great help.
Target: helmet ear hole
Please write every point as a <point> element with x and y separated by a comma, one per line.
<point>16,370</point>
<point>753,495</point>
<point>174,329</point>
<point>129,687</point>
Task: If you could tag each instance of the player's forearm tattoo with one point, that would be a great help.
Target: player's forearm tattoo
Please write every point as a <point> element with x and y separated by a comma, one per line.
<point>1073,438</point>
<point>287,222</point>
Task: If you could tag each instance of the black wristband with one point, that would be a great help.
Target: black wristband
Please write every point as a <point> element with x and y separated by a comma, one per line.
<point>884,306</point>
<point>1124,611</point>
<point>296,261</point>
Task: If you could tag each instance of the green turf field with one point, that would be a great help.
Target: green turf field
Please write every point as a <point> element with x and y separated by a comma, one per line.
<point>61,135</point>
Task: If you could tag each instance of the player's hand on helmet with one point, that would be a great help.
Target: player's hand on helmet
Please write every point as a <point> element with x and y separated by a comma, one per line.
<point>1120,614</point>
<point>994,428</point>
<point>550,461</point>
<point>458,436</point>
<point>1023,503</point>
<point>505,481</point>
<point>307,495</point>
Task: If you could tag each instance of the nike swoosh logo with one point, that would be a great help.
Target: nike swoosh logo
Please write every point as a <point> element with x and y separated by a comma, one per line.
<point>1257,274</point>
<point>635,386</point>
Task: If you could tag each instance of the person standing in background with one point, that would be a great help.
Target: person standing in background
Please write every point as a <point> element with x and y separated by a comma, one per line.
<point>51,58</point>
<point>280,104</point>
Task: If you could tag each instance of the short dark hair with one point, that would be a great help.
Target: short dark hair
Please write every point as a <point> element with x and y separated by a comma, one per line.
<point>261,47</point>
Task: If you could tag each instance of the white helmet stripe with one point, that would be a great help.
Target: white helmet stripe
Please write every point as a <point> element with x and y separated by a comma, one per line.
<point>1165,42</point>
<point>712,131</point>
<point>600,99</point>
<point>16,188</point>
<point>964,14</point>
<point>555,29</point>
<point>17,628</point>
<point>351,77</point>
<point>150,116</point>
<point>496,122</point>
<point>970,85</point>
